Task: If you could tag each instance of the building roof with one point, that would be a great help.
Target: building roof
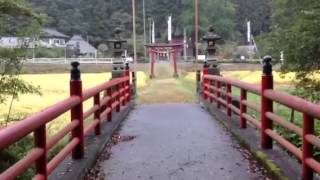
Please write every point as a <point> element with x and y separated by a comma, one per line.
<point>48,32</point>
<point>84,46</point>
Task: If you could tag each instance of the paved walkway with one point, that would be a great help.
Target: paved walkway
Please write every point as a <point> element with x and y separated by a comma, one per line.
<point>178,142</point>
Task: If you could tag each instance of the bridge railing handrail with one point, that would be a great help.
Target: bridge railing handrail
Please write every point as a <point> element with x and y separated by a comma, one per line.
<point>294,102</point>
<point>116,94</point>
<point>240,84</point>
<point>16,131</point>
<point>219,90</point>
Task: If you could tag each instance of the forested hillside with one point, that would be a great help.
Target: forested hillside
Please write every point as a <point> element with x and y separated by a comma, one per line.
<point>97,18</point>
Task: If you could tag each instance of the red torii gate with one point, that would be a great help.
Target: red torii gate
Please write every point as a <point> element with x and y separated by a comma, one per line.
<point>172,49</point>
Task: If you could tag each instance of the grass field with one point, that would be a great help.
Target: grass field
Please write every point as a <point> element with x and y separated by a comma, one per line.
<point>167,91</point>
<point>54,87</point>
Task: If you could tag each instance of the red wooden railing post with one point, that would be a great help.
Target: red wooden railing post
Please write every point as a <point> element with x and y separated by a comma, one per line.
<point>266,104</point>
<point>123,93</point>
<point>128,90</point>
<point>211,91</point>
<point>218,87</point>
<point>205,71</point>
<point>40,142</point>
<point>77,111</point>
<point>109,104</point>
<point>127,83</point>
<point>307,148</point>
<point>243,109</point>
<point>214,84</point>
<point>96,102</point>
<point>118,97</point>
<point>229,99</point>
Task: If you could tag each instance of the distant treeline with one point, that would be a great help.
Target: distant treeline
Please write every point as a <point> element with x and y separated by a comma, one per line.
<point>97,19</point>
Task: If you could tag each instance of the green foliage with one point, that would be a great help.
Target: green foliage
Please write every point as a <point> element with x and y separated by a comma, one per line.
<point>16,19</point>
<point>211,12</point>
<point>295,31</point>
<point>256,11</point>
<point>227,50</point>
<point>159,10</point>
<point>98,18</point>
<point>266,46</point>
<point>95,18</point>
<point>16,152</point>
<point>42,52</point>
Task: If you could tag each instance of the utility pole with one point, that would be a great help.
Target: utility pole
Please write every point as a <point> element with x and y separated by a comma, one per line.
<point>196,28</point>
<point>185,44</point>
<point>144,27</point>
<point>150,31</point>
<point>134,33</point>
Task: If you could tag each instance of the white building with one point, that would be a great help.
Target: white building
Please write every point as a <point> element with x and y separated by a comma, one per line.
<point>51,38</point>
<point>48,38</point>
<point>85,49</point>
<point>14,42</point>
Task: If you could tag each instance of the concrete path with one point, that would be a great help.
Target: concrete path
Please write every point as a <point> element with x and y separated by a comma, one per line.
<point>178,142</point>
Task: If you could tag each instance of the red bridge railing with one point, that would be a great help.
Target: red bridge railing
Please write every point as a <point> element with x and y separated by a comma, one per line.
<point>218,90</point>
<point>106,97</point>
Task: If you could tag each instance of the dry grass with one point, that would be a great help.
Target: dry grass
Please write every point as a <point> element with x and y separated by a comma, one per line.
<point>166,91</point>
<point>255,76</point>
<point>54,87</point>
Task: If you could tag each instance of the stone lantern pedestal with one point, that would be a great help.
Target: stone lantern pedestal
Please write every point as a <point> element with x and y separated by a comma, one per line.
<point>118,47</point>
<point>211,61</point>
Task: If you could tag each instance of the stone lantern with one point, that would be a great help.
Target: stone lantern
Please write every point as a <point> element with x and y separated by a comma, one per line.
<point>211,61</point>
<point>117,45</point>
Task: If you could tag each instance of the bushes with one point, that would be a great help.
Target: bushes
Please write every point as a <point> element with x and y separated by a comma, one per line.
<point>16,152</point>
<point>42,52</point>
<point>226,51</point>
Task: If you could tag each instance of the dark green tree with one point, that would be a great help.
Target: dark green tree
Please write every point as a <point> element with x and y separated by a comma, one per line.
<point>16,19</point>
<point>296,32</point>
<point>256,11</point>
<point>220,14</point>
<point>159,11</point>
